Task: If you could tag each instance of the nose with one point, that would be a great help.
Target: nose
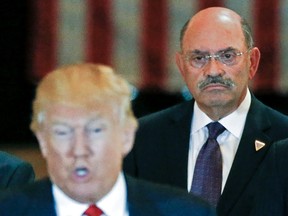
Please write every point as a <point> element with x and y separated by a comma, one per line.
<point>213,67</point>
<point>80,147</point>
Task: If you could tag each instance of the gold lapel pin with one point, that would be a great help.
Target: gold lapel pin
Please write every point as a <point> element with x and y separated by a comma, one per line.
<point>259,145</point>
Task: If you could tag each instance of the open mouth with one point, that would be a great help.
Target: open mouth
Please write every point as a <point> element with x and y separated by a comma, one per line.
<point>81,171</point>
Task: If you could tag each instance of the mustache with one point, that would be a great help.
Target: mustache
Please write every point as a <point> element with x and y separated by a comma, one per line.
<point>216,80</point>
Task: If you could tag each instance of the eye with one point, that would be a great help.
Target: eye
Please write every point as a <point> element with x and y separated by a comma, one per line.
<point>94,131</point>
<point>228,56</point>
<point>61,132</point>
<point>199,58</point>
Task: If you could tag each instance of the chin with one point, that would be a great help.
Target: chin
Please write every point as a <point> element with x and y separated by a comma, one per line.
<point>84,196</point>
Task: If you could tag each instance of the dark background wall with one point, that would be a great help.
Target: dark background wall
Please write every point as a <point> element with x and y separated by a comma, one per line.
<point>17,91</point>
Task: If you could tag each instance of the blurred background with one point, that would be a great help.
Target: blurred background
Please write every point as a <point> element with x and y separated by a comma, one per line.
<point>138,38</point>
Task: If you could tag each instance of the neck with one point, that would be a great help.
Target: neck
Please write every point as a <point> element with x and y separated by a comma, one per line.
<point>218,112</point>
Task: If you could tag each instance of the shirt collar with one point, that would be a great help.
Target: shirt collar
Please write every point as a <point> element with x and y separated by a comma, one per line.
<point>114,203</point>
<point>200,119</point>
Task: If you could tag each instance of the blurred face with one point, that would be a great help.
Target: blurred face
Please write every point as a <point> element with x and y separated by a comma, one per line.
<point>84,150</point>
<point>218,82</point>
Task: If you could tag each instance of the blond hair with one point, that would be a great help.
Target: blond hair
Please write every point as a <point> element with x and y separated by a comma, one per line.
<point>82,85</point>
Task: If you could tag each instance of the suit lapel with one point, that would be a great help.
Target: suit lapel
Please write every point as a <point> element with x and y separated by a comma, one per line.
<point>45,200</point>
<point>138,204</point>
<point>177,150</point>
<point>247,159</point>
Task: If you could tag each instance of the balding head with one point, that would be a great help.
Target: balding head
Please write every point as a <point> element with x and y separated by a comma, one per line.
<point>210,33</point>
<point>221,18</point>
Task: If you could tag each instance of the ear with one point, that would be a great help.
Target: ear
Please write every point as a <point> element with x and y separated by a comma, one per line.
<point>180,63</point>
<point>42,143</point>
<point>129,136</point>
<point>254,61</point>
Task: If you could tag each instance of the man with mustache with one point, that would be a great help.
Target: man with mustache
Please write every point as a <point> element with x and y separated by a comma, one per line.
<point>217,60</point>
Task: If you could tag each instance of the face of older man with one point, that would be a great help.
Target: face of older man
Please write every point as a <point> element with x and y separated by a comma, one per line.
<point>215,61</point>
<point>84,149</point>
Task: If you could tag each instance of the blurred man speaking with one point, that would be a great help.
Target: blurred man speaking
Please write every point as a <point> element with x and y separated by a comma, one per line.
<point>83,121</point>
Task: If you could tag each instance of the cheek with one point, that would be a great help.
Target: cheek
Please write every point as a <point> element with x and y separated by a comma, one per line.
<point>241,72</point>
<point>108,152</point>
<point>61,146</point>
<point>56,161</point>
<point>241,76</point>
<point>192,79</point>
<point>107,164</point>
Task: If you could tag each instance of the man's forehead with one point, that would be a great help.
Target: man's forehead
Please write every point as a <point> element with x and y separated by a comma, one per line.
<point>214,20</point>
<point>213,39</point>
<point>63,112</point>
<point>79,123</point>
<point>89,108</point>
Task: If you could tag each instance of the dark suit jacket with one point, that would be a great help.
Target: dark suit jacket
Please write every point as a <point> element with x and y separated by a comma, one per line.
<point>272,195</point>
<point>279,159</point>
<point>14,171</point>
<point>160,153</point>
<point>144,199</point>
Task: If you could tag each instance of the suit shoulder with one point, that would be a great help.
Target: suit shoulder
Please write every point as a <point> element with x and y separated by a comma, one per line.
<point>275,114</point>
<point>29,199</point>
<point>14,171</point>
<point>34,191</point>
<point>272,122</point>
<point>167,198</point>
<point>170,112</point>
<point>9,162</point>
<point>9,158</point>
<point>281,152</point>
<point>279,121</point>
<point>282,144</point>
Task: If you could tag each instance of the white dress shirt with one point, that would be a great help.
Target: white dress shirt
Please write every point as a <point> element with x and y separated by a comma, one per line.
<point>228,140</point>
<point>113,204</point>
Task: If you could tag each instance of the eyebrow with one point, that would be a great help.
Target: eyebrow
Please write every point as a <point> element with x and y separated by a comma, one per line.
<point>59,123</point>
<point>197,51</point>
<point>96,119</point>
<point>227,49</point>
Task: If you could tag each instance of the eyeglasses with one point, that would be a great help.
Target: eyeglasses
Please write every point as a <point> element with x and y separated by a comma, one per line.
<point>227,57</point>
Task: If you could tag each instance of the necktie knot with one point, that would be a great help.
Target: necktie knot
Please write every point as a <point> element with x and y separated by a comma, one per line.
<point>215,129</point>
<point>93,210</point>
